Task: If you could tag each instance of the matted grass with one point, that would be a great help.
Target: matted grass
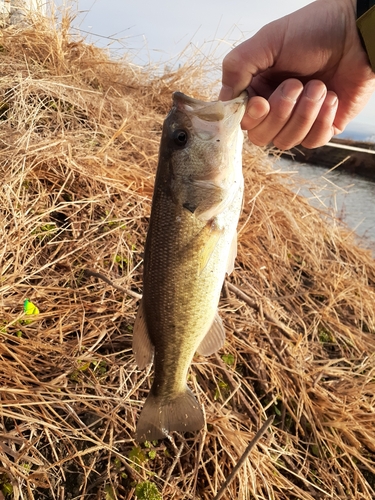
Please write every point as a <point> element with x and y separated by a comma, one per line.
<point>79,136</point>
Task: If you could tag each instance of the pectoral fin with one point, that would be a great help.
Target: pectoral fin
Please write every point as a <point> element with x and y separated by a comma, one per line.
<point>214,338</point>
<point>143,349</point>
<point>232,254</point>
<point>209,235</point>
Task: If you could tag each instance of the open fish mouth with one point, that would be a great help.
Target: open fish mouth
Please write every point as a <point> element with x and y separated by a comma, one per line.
<point>213,111</point>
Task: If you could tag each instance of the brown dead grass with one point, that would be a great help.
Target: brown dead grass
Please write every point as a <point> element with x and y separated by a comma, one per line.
<point>79,141</point>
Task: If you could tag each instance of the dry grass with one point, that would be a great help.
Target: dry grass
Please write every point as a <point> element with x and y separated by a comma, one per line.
<point>78,150</point>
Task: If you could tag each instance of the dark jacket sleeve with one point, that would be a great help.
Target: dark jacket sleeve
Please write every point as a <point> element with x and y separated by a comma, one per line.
<point>366,27</point>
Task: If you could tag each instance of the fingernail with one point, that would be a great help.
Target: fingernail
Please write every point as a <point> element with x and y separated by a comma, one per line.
<point>331,99</point>
<point>226,93</point>
<point>291,91</point>
<point>255,111</point>
<point>315,91</point>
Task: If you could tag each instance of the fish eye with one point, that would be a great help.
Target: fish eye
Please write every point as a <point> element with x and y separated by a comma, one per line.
<point>180,137</point>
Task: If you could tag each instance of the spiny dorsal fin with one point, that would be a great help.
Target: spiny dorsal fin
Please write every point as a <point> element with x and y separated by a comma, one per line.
<point>143,349</point>
<point>214,338</point>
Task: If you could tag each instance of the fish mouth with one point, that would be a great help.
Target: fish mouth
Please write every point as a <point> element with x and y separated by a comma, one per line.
<point>214,111</point>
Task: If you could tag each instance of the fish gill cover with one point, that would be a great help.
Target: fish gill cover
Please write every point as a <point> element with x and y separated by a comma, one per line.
<point>79,140</point>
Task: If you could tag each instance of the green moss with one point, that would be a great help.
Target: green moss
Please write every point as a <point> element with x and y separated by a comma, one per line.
<point>137,456</point>
<point>109,492</point>
<point>5,485</point>
<point>228,359</point>
<point>325,336</point>
<point>222,390</point>
<point>147,491</point>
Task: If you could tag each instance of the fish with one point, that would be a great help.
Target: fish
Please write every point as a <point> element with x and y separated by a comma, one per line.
<point>191,244</point>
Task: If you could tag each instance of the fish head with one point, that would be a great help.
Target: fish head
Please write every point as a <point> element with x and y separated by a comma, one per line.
<point>202,144</point>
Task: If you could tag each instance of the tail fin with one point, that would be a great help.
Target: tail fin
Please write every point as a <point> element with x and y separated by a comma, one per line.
<point>181,413</point>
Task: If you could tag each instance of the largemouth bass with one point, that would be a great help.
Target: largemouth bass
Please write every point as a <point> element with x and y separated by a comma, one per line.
<point>191,243</point>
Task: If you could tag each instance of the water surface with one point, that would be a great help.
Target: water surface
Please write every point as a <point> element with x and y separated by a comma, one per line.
<point>350,198</point>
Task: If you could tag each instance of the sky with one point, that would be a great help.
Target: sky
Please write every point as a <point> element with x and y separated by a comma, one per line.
<point>157,31</point>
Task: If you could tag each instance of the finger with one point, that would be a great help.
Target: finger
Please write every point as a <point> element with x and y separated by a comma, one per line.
<point>237,72</point>
<point>250,58</point>
<point>282,102</point>
<point>323,129</point>
<point>303,117</point>
<point>256,111</point>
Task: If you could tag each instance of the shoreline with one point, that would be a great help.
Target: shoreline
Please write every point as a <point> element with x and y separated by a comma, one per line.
<point>353,157</point>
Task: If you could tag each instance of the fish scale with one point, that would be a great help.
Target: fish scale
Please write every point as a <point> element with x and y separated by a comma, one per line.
<point>191,238</point>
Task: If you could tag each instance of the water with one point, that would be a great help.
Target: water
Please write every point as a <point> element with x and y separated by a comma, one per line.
<point>350,198</point>
<point>358,131</point>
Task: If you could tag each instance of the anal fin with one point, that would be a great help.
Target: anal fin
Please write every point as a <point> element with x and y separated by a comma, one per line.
<point>214,338</point>
<point>143,349</point>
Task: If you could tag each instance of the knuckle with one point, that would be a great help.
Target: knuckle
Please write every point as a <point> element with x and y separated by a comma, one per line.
<point>304,120</point>
<point>316,141</point>
<point>312,144</point>
<point>284,145</point>
<point>257,139</point>
<point>282,111</point>
<point>232,61</point>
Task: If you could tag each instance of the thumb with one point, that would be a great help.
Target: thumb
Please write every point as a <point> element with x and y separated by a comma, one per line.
<point>250,58</point>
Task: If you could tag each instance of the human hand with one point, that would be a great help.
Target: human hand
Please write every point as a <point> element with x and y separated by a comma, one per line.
<point>307,76</point>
